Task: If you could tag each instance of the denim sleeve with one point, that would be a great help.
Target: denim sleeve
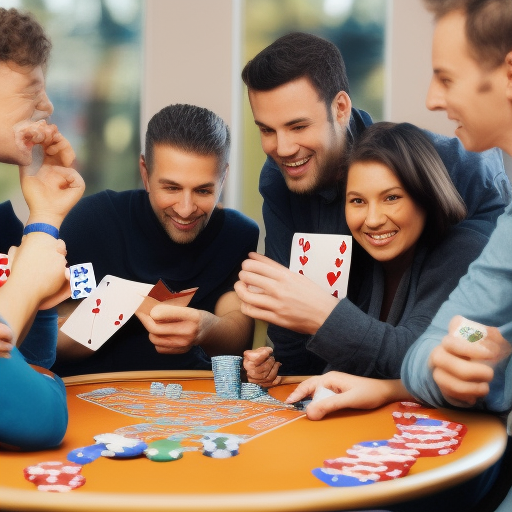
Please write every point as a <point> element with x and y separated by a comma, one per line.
<point>484,295</point>
<point>480,179</point>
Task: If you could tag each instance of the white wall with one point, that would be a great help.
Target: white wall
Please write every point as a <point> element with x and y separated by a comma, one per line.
<point>409,68</point>
<point>192,55</point>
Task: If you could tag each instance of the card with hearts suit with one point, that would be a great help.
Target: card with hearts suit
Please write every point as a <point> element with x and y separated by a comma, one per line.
<point>325,259</point>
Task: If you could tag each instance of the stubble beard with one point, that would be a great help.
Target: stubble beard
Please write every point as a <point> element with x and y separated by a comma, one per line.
<point>329,173</point>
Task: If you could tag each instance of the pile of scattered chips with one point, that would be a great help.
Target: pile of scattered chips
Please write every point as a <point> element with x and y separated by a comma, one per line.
<point>376,461</point>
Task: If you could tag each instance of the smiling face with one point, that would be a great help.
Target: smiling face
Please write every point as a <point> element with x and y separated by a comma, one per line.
<point>298,134</point>
<point>473,96</point>
<point>381,215</point>
<point>23,100</point>
<point>183,189</point>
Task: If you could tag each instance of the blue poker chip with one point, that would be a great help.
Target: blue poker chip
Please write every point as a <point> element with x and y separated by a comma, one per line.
<point>125,451</point>
<point>86,454</point>
<point>335,478</point>
<point>373,444</point>
<point>117,446</point>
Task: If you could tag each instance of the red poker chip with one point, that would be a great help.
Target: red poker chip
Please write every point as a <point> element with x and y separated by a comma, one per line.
<point>55,476</point>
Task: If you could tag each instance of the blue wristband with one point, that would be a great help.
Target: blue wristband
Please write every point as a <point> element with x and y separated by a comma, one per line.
<point>41,227</point>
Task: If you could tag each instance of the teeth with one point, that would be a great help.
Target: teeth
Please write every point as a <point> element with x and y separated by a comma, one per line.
<point>382,237</point>
<point>297,164</point>
<point>183,223</point>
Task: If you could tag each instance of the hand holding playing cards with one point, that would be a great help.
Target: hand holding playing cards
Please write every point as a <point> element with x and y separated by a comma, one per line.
<point>275,294</point>
<point>55,188</point>
<point>350,391</point>
<point>175,329</point>
<point>463,369</point>
<point>5,341</point>
<point>261,367</point>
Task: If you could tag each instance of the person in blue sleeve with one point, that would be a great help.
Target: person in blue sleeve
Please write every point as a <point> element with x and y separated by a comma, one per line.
<point>472,82</point>
<point>299,95</point>
<point>32,399</point>
<point>173,230</point>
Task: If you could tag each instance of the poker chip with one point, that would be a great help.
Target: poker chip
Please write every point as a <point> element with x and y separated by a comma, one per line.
<point>55,476</point>
<point>157,388</point>
<point>117,446</point>
<point>226,376</point>
<point>173,391</point>
<point>250,391</point>
<point>87,454</point>
<point>221,446</point>
<point>164,450</point>
<point>336,478</point>
<point>431,437</point>
<point>375,461</point>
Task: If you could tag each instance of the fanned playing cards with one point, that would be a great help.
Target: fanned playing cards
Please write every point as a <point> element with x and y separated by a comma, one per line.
<point>112,304</point>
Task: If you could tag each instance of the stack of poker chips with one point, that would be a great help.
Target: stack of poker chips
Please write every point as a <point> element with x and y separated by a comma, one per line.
<point>226,375</point>
<point>173,391</point>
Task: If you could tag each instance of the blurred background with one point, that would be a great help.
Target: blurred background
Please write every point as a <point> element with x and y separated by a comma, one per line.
<point>117,62</point>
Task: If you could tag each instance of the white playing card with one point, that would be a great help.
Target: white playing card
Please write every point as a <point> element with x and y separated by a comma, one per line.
<point>5,268</point>
<point>325,259</point>
<point>81,280</point>
<point>105,311</point>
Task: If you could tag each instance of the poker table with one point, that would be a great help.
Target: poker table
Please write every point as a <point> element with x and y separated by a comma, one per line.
<point>272,471</point>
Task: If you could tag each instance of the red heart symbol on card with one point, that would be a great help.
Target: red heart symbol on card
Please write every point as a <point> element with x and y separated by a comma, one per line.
<point>97,310</point>
<point>117,322</point>
<point>335,293</point>
<point>306,246</point>
<point>338,262</point>
<point>343,248</point>
<point>332,277</point>
<point>303,259</point>
<point>4,261</point>
<point>301,272</point>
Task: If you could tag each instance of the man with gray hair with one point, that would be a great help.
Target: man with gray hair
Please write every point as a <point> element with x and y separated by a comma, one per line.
<point>175,231</point>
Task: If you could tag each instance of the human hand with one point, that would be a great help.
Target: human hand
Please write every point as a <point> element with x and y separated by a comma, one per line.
<point>6,341</point>
<point>273,293</point>
<point>261,367</point>
<point>351,392</point>
<point>175,329</point>
<point>55,188</point>
<point>38,268</point>
<point>462,369</point>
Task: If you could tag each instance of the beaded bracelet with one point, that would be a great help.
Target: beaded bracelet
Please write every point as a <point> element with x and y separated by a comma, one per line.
<point>42,228</point>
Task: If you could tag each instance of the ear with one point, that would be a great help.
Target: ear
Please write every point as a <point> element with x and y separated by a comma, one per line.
<point>342,108</point>
<point>508,68</point>
<point>144,172</point>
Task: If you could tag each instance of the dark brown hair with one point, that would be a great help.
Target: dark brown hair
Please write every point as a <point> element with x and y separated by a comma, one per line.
<point>488,26</point>
<point>410,155</point>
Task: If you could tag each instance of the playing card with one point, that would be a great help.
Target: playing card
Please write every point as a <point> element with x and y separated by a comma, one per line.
<point>325,259</point>
<point>105,311</point>
<point>5,269</point>
<point>160,294</point>
<point>82,280</point>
